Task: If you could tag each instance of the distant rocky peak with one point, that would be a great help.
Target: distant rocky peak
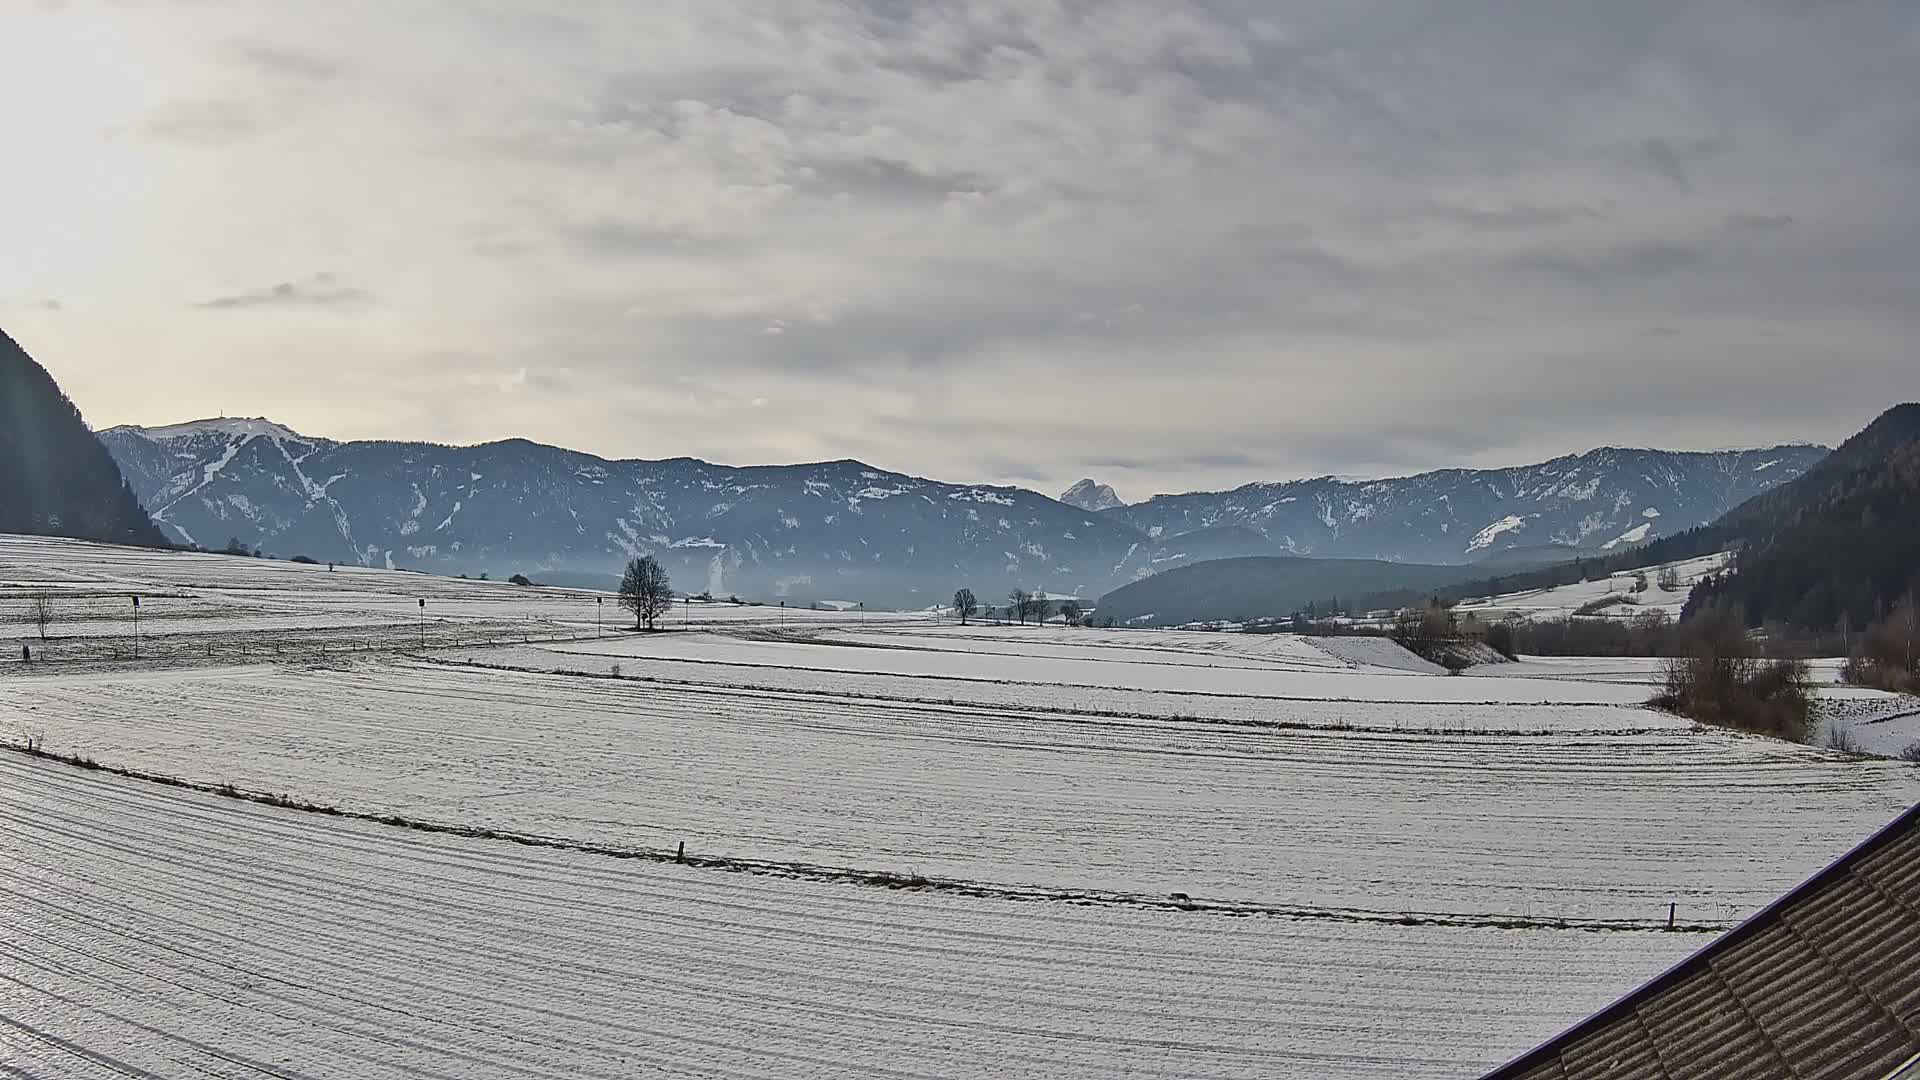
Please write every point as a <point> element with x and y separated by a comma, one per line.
<point>1091,497</point>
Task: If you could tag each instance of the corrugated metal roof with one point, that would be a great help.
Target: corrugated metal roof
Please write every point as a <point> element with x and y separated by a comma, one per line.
<point>1825,983</point>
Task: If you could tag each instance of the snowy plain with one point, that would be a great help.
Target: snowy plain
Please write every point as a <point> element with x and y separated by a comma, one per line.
<point>1378,870</point>
<point>158,933</point>
<point>1318,675</point>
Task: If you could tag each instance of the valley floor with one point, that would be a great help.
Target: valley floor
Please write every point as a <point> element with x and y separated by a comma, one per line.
<point>914,849</point>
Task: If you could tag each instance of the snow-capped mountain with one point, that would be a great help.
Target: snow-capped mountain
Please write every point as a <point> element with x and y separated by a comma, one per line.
<point>1598,501</point>
<point>1091,497</point>
<point>845,530</point>
<point>835,530</point>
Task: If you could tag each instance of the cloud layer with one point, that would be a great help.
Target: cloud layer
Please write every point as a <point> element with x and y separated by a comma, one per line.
<point>1172,244</point>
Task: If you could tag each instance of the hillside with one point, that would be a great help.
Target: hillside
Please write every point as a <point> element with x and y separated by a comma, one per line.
<point>56,479</point>
<point>1586,504</point>
<point>1588,597</point>
<point>1238,590</point>
<point>1841,546</point>
<point>1835,540</point>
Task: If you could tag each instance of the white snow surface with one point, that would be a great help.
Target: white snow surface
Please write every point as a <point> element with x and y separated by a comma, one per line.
<point>1065,782</point>
<point>1560,602</point>
<point>1325,678</point>
<point>1485,537</point>
<point>175,933</point>
<point>225,425</point>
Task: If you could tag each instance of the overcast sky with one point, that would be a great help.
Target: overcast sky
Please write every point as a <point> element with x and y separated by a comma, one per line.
<point>1169,244</point>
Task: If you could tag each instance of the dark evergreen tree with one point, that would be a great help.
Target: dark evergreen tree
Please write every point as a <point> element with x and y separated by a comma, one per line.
<point>56,479</point>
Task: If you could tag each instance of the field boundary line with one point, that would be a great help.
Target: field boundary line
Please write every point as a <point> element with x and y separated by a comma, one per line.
<point>1107,714</point>
<point>911,882</point>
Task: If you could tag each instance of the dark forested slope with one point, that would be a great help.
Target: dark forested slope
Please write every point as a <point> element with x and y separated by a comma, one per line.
<point>56,479</point>
<point>1837,549</point>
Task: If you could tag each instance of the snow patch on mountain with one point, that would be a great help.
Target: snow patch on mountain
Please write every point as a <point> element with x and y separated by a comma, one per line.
<point>1632,536</point>
<point>1485,537</point>
<point>223,425</point>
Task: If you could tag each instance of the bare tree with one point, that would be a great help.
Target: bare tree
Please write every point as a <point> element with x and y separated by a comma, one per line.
<point>1020,604</point>
<point>41,613</point>
<point>646,591</point>
<point>1669,580</point>
<point>1072,613</point>
<point>965,605</point>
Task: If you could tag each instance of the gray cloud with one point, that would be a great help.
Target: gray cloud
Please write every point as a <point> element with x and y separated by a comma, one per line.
<point>1663,160</point>
<point>285,61</point>
<point>888,180</point>
<point>1507,218</point>
<point>1758,222</point>
<point>1640,260</point>
<point>1195,242</point>
<point>208,122</point>
<point>318,291</point>
<point>616,239</point>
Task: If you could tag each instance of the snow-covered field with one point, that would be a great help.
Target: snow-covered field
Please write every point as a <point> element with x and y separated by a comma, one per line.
<point>1382,833</point>
<point>219,607</point>
<point>1484,825</point>
<point>1314,675</point>
<point>158,933</point>
<point>1564,601</point>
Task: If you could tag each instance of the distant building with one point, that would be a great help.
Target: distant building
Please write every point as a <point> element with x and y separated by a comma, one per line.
<point>1825,983</point>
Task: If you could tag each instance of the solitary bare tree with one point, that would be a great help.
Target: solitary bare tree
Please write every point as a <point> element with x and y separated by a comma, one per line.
<point>41,613</point>
<point>965,605</point>
<point>646,591</point>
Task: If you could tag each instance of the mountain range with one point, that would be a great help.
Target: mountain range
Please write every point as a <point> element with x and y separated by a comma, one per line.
<point>846,530</point>
<point>1602,500</point>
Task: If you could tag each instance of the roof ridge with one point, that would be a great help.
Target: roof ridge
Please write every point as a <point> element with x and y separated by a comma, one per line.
<point>1628,1005</point>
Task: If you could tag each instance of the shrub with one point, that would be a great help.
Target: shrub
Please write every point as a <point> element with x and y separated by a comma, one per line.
<point>304,560</point>
<point>1595,607</point>
<point>1911,753</point>
<point>1842,739</point>
<point>1888,654</point>
<point>1719,679</point>
<point>1503,637</point>
<point>1426,631</point>
<point>520,579</point>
